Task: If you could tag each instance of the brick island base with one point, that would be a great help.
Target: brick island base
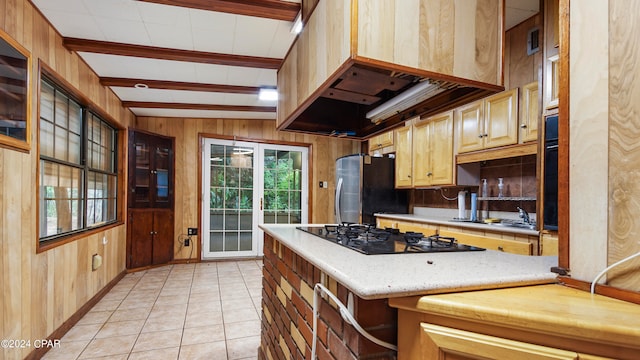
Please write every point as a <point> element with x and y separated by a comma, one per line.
<point>287,313</point>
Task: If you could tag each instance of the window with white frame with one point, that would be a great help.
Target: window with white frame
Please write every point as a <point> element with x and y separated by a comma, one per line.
<point>78,167</point>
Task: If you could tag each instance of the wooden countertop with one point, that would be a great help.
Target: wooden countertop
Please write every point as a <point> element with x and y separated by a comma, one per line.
<point>396,275</point>
<point>547,309</point>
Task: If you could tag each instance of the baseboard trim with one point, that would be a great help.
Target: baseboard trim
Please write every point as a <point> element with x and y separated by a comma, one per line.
<point>184,261</point>
<point>67,325</point>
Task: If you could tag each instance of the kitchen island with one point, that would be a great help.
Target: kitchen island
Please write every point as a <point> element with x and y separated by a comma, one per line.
<point>294,261</point>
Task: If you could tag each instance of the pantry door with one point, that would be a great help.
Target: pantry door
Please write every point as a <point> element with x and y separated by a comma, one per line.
<point>245,184</point>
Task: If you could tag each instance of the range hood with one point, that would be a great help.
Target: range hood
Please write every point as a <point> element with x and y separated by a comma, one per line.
<point>361,67</point>
<point>364,101</point>
<point>415,95</point>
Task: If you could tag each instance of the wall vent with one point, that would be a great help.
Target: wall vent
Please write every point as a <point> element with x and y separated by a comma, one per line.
<point>533,41</point>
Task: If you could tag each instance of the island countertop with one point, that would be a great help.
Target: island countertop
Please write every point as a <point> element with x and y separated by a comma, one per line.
<point>397,275</point>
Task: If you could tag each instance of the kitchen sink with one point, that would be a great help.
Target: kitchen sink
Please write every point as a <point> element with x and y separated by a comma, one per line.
<point>516,224</point>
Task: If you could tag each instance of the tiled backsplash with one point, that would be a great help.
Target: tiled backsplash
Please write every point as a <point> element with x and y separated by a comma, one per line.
<point>519,176</point>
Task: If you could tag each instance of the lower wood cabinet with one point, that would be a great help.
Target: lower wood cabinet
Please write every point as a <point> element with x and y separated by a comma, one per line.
<point>440,342</point>
<point>516,244</point>
<point>149,237</point>
<point>529,322</point>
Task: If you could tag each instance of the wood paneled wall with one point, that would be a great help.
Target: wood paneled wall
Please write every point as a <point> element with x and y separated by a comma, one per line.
<point>41,291</point>
<point>604,159</point>
<point>519,68</point>
<point>624,132</point>
<point>324,152</point>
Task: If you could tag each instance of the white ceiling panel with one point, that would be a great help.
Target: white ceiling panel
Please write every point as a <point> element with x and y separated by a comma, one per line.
<point>172,16</point>
<point>173,37</point>
<point>203,114</point>
<point>76,6</point>
<point>134,67</point>
<point>112,9</point>
<point>253,36</point>
<point>122,31</point>
<point>72,24</point>
<point>189,97</point>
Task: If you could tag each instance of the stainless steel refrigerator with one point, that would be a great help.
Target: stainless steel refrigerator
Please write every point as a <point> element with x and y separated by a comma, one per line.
<point>364,186</point>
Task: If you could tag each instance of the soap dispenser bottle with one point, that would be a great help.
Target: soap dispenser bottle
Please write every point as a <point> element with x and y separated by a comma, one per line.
<point>500,188</point>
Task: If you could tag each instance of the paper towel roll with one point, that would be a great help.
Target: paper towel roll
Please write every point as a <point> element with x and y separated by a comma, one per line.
<point>462,200</point>
<point>474,207</point>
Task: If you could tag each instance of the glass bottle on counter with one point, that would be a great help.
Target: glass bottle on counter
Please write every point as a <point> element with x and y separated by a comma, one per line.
<point>485,191</point>
<point>500,187</point>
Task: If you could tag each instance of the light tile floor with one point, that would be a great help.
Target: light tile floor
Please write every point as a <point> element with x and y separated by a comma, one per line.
<point>209,310</point>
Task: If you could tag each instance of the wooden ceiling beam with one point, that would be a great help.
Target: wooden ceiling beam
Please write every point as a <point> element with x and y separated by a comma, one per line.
<point>179,85</point>
<point>270,9</point>
<point>152,52</point>
<point>185,106</point>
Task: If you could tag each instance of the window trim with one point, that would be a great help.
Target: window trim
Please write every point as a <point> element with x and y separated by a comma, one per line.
<point>46,72</point>
<point>7,141</point>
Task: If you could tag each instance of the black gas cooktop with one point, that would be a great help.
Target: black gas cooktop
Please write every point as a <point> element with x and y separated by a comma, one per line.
<point>369,240</point>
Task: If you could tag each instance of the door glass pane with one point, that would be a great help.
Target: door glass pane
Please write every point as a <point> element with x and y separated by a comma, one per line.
<point>163,167</point>
<point>230,198</point>
<point>282,187</point>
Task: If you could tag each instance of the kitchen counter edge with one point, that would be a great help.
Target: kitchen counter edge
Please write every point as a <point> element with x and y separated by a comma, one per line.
<point>400,275</point>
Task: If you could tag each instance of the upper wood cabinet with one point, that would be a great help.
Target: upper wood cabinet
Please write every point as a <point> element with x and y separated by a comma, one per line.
<point>489,123</point>
<point>381,144</point>
<point>529,112</point>
<point>424,152</point>
<point>433,151</point>
<point>351,59</point>
<point>404,159</point>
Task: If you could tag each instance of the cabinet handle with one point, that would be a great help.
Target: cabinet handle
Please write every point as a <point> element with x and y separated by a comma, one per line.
<point>485,135</point>
<point>429,173</point>
<point>408,176</point>
<point>524,126</point>
<point>480,136</point>
<point>500,248</point>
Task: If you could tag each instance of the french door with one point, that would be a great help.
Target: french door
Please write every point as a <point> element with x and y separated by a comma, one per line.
<point>246,184</point>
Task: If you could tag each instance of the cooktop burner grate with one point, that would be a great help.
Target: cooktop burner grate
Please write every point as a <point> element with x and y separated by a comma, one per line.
<point>370,240</point>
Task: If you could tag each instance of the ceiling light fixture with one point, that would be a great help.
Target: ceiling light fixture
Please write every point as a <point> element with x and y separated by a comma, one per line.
<point>268,94</point>
<point>141,86</point>
<point>296,28</point>
<point>415,95</point>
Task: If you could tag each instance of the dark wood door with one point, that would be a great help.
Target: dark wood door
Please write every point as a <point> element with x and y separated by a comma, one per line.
<point>162,237</point>
<point>140,229</point>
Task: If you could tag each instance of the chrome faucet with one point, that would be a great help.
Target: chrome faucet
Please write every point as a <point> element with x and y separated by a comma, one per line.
<point>524,215</point>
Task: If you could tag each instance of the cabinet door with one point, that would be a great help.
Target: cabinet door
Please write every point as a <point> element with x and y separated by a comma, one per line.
<point>381,141</point>
<point>150,171</point>
<point>529,114</point>
<point>403,157</point>
<point>140,233</point>
<point>470,127</point>
<point>162,237</point>
<point>422,166</point>
<point>140,170</point>
<point>441,149</point>
<point>501,119</point>
<point>162,174</point>
<point>439,342</point>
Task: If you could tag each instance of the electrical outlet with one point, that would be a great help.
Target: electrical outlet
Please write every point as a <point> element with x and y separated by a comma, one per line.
<point>192,231</point>
<point>186,242</point>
